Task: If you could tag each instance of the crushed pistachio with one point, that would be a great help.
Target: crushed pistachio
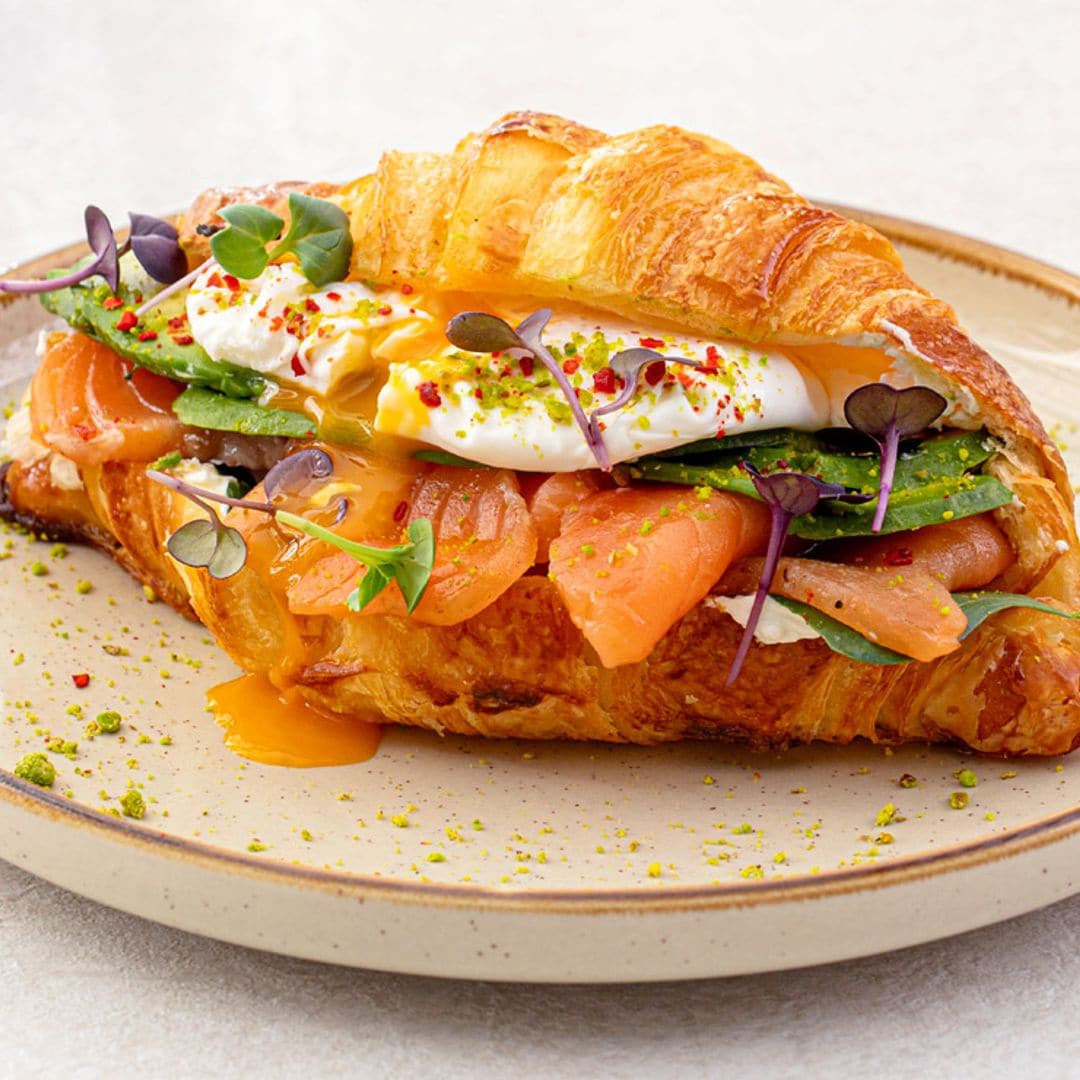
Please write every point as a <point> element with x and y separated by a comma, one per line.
<point>108,722</point>
<point>36,768</point>
<point>132,804</point>
<point>959,799</point>
<point>886,815</point>
<point>966,778</point>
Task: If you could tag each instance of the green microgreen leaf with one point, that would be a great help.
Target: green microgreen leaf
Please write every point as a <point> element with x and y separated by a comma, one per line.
<point>979,606</point>
<point>408,564</point>
<point>371,584</point>
<point>319,237</point>
<point>241,248</point>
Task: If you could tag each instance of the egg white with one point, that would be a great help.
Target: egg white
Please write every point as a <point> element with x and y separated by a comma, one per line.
<point>453,401</point>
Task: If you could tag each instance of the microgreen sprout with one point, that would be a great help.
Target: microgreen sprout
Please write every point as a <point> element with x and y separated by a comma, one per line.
<point>788,495</point>
<point>318,236</point>
<point>156,244</point>
<point>106,260</point>
<point>480,332</point>
<point>888,415</point>
<point>628,365</point>
<point>222,550</point>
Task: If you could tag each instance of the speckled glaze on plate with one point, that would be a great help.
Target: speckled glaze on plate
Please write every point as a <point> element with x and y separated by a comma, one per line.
<point>520,861</point>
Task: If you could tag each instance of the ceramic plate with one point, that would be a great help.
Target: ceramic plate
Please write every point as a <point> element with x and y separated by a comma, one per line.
<point>518,861</point>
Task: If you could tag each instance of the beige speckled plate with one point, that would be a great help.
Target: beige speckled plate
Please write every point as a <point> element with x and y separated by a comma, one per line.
<point>516,861</point>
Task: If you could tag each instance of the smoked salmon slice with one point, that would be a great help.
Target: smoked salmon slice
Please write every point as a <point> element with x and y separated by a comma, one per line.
<point>964,554</point>
<point>88,405</point>
<point>484,541</point>
<point>632,561</point>
<point>903,609</point>
<point>552,498</point>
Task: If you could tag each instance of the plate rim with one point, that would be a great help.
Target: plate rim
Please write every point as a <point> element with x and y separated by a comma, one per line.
<point>1042,832</point>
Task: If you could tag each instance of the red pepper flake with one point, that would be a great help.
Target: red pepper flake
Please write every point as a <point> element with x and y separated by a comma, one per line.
<point>900,556</point>
<point>400,511</point>
<point>478,394</point>
<point>654,373</point>
<point>721,431</point>
<point>276,323</point>
<point>297,367</point>
<point>178,322</point>
<point>127,321</point>
<point>429,394</point>
<point>712,361</point>
<point>82,680</point>
<point>214,280</point>
<point>311,305</point>
<point>148,335</point>
<point>111,303</point>
<point>183,339</point>
<point>232,283</point>
<point>527,365</point>
<point>386,309</point>
<point>406,289</point>
<point>333,296</point>
<point>651,342</point>
<point>571,365</point>
<point>604,381</point>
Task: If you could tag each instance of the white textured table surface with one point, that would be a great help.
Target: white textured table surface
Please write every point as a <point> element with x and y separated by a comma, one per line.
<point>958,114</point>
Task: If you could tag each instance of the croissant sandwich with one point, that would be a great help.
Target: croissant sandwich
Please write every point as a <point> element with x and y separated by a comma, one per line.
<point>563,435</point>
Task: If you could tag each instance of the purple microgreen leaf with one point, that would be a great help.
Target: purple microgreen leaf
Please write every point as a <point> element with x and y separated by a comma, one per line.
<point>479,332</point>
<point>156,244</point>
<point>887,415</point>
<point>99,235</point>
<point>788,495</point>
<point>106,261</point>
<point>297,469</point>
<point>629,364</point>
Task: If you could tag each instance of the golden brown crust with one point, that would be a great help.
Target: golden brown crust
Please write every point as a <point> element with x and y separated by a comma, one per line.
<point>521,669</point>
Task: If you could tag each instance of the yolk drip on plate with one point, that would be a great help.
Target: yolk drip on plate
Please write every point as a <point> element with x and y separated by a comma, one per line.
<point>278,727</point>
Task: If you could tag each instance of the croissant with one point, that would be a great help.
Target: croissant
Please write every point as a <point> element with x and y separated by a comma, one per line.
<point>682,231</point>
